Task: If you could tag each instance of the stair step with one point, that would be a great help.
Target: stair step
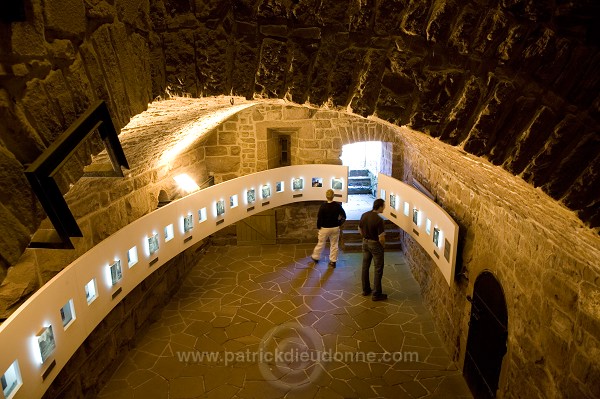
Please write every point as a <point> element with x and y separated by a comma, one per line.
<point>359,180</point>
<point>359,190</point>
<point>358,172</point>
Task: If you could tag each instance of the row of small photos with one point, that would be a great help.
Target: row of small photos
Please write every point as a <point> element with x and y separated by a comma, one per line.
<point>11,379</point>
<point>416,218</point>
<point>265,190</point>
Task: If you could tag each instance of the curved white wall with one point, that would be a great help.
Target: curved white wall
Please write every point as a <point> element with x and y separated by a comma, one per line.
<point>408,198</point>
<point>18,333</point>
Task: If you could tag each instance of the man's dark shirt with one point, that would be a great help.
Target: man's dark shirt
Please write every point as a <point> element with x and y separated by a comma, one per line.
<point>371,225</point>
<point>331,214</point>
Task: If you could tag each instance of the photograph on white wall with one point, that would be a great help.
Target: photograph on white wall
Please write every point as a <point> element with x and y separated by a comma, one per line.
<point>90,291</point>
<point>46,342</point>
<point>251,196</point>
<point>220,207</point>
<point>298,184</point>
<point>153,244</point>
<point>116,274</point>
<point>392,201</point>
<point>11,379</point>
<point>436,236</point>
<point>317,182</point>
<point>337,184</point>
<point>188,222</point>
<point>266,191</point>
<point>66,313</point>
<point>279,186</point>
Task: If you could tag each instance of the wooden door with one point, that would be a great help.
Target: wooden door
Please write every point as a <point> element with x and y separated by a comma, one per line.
<point>257,229</point>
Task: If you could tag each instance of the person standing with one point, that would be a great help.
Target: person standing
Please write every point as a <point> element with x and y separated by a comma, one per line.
<point>372,230</point>
<point>329,219</point>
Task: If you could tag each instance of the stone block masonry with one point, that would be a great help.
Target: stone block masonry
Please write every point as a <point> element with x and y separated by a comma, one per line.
<point>539,252</point>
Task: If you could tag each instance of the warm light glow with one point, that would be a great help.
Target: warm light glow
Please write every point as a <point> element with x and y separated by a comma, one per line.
<point>192,132</point>
<point>186,183</point>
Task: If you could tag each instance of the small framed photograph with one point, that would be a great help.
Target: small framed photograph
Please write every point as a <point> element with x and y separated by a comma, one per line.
<point>132,256</point>
<point>233,201</point>
<point>11,380</point>
<point>90,291</point>
<point>251,196</point>
<point>220,207</point>
<point>297,184</point>
<point>202,215</point>
<point>169,232</point>
<point>279,187</point>
<point>392,201</point>
<point>266,191</point>
<point>416,216</point>
<point>153,244</point>
<point>67,313</point>
<point>337,183</point>
<point>46,343</point>
<point>188,222</point>
<point>317,182</point>
<point>116,273</point>
<point>436,236</point>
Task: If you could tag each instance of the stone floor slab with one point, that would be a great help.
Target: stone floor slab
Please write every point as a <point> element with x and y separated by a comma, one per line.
<point>243,304</point>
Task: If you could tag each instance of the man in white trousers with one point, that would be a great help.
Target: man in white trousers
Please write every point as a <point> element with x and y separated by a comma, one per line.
<point>329,219</point>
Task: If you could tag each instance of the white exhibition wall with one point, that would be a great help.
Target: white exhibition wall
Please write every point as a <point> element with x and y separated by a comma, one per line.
<point>427,222</point>
<point>95,290</point>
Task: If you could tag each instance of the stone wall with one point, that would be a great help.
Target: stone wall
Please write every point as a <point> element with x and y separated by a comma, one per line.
<point>54,64</point>
<point>96,360</point>
<point>545,259</point>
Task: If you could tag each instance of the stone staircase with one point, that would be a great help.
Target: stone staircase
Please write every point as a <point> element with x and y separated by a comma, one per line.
<point>351,240</point>
<point>359,182</point>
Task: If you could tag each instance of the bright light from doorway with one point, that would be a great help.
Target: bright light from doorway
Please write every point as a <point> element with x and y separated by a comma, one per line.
<point>186,183</point>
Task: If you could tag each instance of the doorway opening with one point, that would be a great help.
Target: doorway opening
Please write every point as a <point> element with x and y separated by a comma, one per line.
<point>365,160</point>
<point>488,331</point>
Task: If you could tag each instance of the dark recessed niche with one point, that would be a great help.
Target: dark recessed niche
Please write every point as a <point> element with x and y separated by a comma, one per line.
<point>416,232</point>
<point>12,11</point>
<point>297,195</point>
<point>266,203</point>
<point>250,209</point>
<point>153,261</point>
<point>436,254</point>
<point>187,239</point>
<point>220,221</point>
<point>393,215</point>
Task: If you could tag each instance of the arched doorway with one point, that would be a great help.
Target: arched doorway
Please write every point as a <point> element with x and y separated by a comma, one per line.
<point>488,330</point>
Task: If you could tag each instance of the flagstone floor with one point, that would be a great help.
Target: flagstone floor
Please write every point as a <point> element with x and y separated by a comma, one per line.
<point>264,322</point>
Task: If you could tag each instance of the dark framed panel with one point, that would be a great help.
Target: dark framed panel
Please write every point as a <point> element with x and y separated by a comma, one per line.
<point>41,172</point>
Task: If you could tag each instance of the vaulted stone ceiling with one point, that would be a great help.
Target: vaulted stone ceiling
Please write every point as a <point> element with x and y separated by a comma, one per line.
<point>514,81</point>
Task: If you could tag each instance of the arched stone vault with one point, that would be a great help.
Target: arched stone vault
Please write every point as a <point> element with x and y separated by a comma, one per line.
<point>515,82</point>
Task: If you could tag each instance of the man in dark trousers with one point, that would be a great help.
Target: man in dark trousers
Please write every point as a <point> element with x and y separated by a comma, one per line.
<point>329,219</point>
<point>372,230</point>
